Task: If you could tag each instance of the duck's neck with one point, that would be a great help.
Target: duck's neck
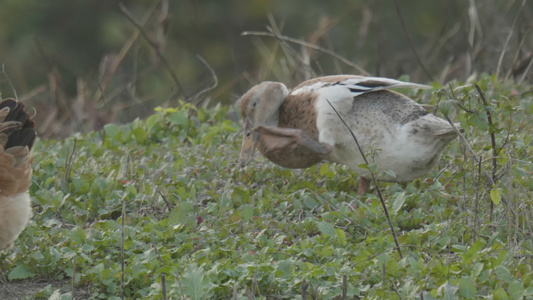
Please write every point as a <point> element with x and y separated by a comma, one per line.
<point>272,120</point>
<point>270,116</point>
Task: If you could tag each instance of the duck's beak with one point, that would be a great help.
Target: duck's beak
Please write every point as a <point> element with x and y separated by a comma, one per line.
<point>249,140</point>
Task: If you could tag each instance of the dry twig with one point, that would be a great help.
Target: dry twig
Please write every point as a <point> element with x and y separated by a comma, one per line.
<point>309,45</point>
<point>122,53</point>
<point>165,62</point>
<point>375,181</point>
<point>508,38</point>
<point>410,40</point>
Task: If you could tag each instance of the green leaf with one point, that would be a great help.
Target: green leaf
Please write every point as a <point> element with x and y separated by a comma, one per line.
<point>447,290</point>
<point>398,202</point>
<point>341,236</point>
<point>480,122</point>
<point>177,216</point>
<point>495,196</point>
<point>151,121</point>
<point>111,130</point>
<point>503,274</point>
<point>139,134</point>
<point>528,291</point>
<point>324,169</point>
<point>310,203</point>
<point>77,235</point>
<point>472,253</point>
<point>327,229</point>
<point>476,270</point>
<point>20,272</point>
<point>516,290</point>
<point>178,118</point>
<point>500,293</point>
<point>467,287</point>
<point>195,284</point>
<point>247,212</point>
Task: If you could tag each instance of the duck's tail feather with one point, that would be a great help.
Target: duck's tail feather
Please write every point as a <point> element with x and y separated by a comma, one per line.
<point>449,130</point>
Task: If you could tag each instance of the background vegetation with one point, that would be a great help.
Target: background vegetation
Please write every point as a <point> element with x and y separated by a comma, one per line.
<point>157,208</point>
<point>83,63</point>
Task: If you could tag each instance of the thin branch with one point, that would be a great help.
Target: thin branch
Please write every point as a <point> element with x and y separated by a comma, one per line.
<point>354,222</point>
<point>493,143</point>
<point>122,263</point>
<point>120,56</point>
<point>509,38</point>
<point>193,98</point>
<point>4,281</point>
<point>166,64</point>
<point>165,200</point>
<point>476,159</point>
<point>73,292</point>
<point>491,131</point>
<point>465,142</point>
<point>374,180</point>
<point>476,200</point>
<point>9,81</point>
<point>163,279</point>
<point>69,161</point>
<point>309,45</point>
<point>526,71</point>
<point>214,85</point>
<point>522,42</point>
<point>410,40</point>
<point>344,287</point>
<point>304,287</point>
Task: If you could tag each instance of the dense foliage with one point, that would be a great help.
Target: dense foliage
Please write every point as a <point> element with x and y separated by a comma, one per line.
<point>84,63</point>
<point>193,225</point>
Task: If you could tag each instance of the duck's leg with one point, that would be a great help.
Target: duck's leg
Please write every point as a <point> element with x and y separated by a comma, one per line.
<point>363,185</point>
<point>279,139</point>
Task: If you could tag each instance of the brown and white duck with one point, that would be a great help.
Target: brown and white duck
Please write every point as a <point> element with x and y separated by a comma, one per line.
<point>17,135</point>
<point>298,129</point>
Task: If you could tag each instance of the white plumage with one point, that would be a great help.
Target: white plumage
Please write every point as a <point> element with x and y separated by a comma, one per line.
<point>16,140</point>
<point>300,128</point>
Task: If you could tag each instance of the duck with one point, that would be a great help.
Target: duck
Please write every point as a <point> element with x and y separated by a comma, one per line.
<point>17,135</point>
<point>314,122</point>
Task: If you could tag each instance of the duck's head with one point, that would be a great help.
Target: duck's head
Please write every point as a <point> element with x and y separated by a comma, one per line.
<point>259,106</point>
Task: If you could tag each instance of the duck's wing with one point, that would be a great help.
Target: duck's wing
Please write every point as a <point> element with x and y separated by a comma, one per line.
<point>284,140</point>
<point>357,85</point>
<point>17,135</point>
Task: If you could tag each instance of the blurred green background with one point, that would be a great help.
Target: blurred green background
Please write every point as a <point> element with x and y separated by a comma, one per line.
<point>82,63</point>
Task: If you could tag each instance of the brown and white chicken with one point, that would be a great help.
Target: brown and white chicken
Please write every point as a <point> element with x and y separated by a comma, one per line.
<point>17,135</point>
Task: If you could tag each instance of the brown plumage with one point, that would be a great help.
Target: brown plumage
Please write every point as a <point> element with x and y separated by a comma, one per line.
<point>300,128</point>
<point>17,135</point>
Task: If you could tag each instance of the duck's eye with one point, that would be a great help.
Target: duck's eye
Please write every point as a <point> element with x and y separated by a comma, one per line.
<point>248,134</point>
<point>254,104</point>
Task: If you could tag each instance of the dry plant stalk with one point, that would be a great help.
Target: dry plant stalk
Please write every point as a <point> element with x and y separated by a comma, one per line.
<point>374,180</point>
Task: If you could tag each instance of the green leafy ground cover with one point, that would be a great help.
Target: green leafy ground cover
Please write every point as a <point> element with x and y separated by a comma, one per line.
<point>196,226</point>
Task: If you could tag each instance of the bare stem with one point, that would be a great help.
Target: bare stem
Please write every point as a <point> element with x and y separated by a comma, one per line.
<point>309,45</point>
<point>410,40</point>
<point>374,180</point>
<point>492,141</point>
<point>165,62</point>
<point>509,38</point>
